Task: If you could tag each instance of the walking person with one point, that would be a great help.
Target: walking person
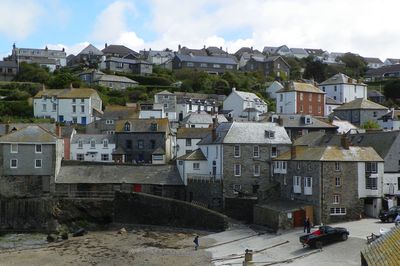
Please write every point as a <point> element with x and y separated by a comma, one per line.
<point>308,225</point>
<point>196,242</point>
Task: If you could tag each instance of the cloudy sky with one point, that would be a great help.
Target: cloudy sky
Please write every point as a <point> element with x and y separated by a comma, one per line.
<point>366,27</point>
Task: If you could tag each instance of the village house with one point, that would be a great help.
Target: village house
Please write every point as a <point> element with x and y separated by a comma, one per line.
<point>376,96</point>
<point>343,89</point>
<point>95,77</point>
<point>373,62</point>
<point>340,182</point>
<point>391,61</point>
<point>91,147</point>
<point>209,64</point>
<point>300,98</point>
<point>77,106</point>
<point>201,120</point>
<point>151,110</point>
<point>31,158</point>
<point>360,111</point>
<point>273,88</point>
<point>390,121</point>
<point>121,51</point>
<point>89,56</point>
<point>245,53</point>
<point>387,71</point>
<point>299,53</point>
<point>127,65</point>
<point>8,70</point>
<point>159,57</point>
<point>330,105</point>
<point>187,139</point>
<point>145,140</point>
<point>245,105</point>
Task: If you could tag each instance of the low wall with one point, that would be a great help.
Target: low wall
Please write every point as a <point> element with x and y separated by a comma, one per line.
<point>240,208</point>
<point>139,208</point>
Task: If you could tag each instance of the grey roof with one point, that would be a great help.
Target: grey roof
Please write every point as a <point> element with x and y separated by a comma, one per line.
<point>317,52</point>
<point>117,112</point>
<point>196,155</point>
<point>144,125</point>
<point>375,94</point>
<point>86,138</point>
<point>192,133</point>
<point>115,78</point>
<point>182,97</point>
<point>117,49</point>
<point>248,96</point>
<point>393,60</point>
<point>153,53</point>
<point>213,50</point>
<point>382,71</point>
<point>331,101</point>
<point>127,61</point>
<point>391,115</point>
<point>270,49</point>
<point>360,103</point>
<point>373,60</point>
<point>298,121</point>
<point>86,173</point>
<point>90,49</point>
<point>17,126</point>
<point>298,51</point>
<point>29,134</point>
<point>340,78</point>
<point>247,50</point>
<point>202,118</point>
<point>11,64</point>
<point>381,141</point>
<point>159,151</point>
<point>196,52</point>
<point>247,133</point>
<point>66,131</point>
<point>207,59</point>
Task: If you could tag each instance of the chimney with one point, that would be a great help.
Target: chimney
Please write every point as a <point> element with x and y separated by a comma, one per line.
<point>251,48</point>
<point>58,130</point>
<point>105,45</point>
<point>214,130</point>
<point>43,87</point>
<point>204,46</point>
<point>233,89</point>
<point>345,142</point>
<point>179,47</point>
<point>292,152</point>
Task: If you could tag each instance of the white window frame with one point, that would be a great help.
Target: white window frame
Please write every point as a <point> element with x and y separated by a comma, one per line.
<point>105,157</point>
<point>80,144</point>
<point>41,163</point>
<point>13,150</point>
<point>239,173</point>
<point>236,151</point>
<point>16,163</point>
<point>256,151</point>
<point>307,185</point>
<point>78,155</point>
<point>256,170</point>
<point>337,211</point>
<point>91,144</point>
<point>105,143</point>
<point>336,199</point>
<point>338,181</point>
<point>236,188</point>
<point>82,109</point>
<point>297,184</point>
<point>337,166</point>
<point>196,166</point>
<point>274,154</point>
<point>36,148</point>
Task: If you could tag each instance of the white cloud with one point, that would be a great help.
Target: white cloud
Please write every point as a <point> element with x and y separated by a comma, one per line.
<point>70,49</point>
<point>19,19</point>
<point>111,26</point>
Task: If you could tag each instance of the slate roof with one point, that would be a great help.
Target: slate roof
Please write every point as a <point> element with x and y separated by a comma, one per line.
<point>143,125</point>
<point>86,138</point>
<point>86,173</point>
<point>127,61</point>
<point>372,60</point>
<point>248,96</point>
<point>117,49</point>
<point>115,78</point>
<point>196,155</point>
<point>192,133</point>
<point>391,115</point>
<point>11,64</point>
<point>297,121</point>
<point>17,126</point>
<point>90,49</point>
<point>117,112</point>
<point>30,134</point>
<point>375,94</point>
<point>67,93</point>
<point>380,72</point>
<point>360,103</point>
<point>340,78</point>
<point>202,118</point>
<point>393,60</point>
<point>213,50</point>
<point>195,52</point>
<point>381,141</point>
<point>331,101</point>
<point>270,49</point>
<point>317,52</point>
<point>384,251</point>
<point>182,97</point>
<point>299,51</point>
<point>226,60</point>
<point>332,153</point>
<point>247,133</point>
<point>343,126</point>
<point>247,50</point>
<point>159,151</point>
<point>300,86</point>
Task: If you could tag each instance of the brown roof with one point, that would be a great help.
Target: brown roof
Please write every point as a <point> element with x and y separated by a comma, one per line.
<point>196,155</point>
<point>192,133</point>
<point>144,125</point>
<point>67,93</point>
<point>360,103</point>
<point>300,86</point>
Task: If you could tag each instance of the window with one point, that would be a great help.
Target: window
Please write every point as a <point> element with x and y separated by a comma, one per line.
<point>196,166</point>
<point>14,148</point>
<point>82,108</point>
<point>298,166</point>
<point>236,151</point>
<point>128,144</point>
<point>256,151</point>
<point>274,152</point>
<point>229,67</point>
<point>337,166</point>
<point>371,182</point>
<point>336,199</point>
<point>74,119</point>
<point>308,185</point>
<point>269,134</point>
<point>188,142</point>
<point>296,184</point>
<point>80,156</point>
<point>309,97</point>
<point>301,108</point>
<point>105,143</point>
<point>92,144</point>
<point>105,157</point>
<point>236,188</point>
<point>310,109</point>
<point>319,109</point>
<point>216,66</point>
<point>256,170</point>
<point>281,97</point>
<point>44,107</point>
<point>338,181</point>
<point>188,151</point>
<point>38,148</point>
<point>13,163</point>
<point>54,107</point>
<point>203,65</point>
<point>82,100</point>
<point>190,64</point>
<point>38,163</point>
<point>140,144</point>
<point>109,122</point>
<point>165,105</point>
<point>301,96</point>
<point>237,169</point>
<point>335,88</point>
<point>319,98</point>
<point>370,167</point>
<point>127,126</point>
<point>152,144</point>
<point>338,211</point>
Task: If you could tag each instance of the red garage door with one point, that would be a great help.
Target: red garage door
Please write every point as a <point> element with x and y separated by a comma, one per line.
<point>298,218</point>
<point>137,188</point>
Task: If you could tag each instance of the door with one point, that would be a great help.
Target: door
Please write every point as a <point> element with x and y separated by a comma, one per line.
<point>180,116</point>
<point>83,120</point>
<point>137,188</point>
<point>61,118</point>
<point>298,218</point>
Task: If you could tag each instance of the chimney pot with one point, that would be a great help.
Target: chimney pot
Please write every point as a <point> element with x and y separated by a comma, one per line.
<point>345,142</point>
<point>293,152</point>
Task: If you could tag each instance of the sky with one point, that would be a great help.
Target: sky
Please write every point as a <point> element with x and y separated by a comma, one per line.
<point>365,27</point>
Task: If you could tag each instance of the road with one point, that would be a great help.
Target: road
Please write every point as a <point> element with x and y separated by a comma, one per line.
<point>227,248</point>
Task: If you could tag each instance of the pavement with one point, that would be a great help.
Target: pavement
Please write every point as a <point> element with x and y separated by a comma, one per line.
<point>228,247</point>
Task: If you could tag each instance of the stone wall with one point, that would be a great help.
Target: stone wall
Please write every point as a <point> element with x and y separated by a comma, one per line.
<point>24,186</point>
<point>207,192</point>
<point>138,208</point>
<point>240,208</point>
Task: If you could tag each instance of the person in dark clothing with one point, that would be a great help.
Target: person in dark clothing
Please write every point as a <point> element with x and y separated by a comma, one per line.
<point>308,225</point>
<point>196,242</point>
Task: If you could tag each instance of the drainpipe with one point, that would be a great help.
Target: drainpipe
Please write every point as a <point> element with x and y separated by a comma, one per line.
<point>321,192</point>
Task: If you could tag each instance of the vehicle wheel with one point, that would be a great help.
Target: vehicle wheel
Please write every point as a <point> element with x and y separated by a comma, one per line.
<point>390,220</point>
<point>344,237</point>
<point>318,244</point>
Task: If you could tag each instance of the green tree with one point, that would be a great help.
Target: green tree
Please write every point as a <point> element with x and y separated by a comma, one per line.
<point>355,65</point>
<point>392,89</point>
<point>315,69</point>
<point>32,73</point>
<point>62,80</point>
<point>370,124</point>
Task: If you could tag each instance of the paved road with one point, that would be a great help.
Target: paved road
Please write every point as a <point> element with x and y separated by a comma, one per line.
<point>227,248</point>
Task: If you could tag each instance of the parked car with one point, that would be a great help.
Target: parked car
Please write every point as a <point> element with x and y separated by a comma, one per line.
<point>389,215</point>
<point>325,234</point>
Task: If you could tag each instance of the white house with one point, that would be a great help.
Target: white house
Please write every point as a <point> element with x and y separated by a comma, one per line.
<point>373,62</point>
<point>390,121</point>
<point>343,89</point>
<point>201,120</point>
<point>187,139</point>
<point>73,105</point>
<point>92,147</point>
<point>192,164</point>
<point>244,102</point>
<point>155,110</point>
<point>273,88</point>
<point>330,105</point>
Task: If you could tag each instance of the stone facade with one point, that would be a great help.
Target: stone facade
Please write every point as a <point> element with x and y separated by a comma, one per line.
<point>207,193</point>
<point>358,116</point>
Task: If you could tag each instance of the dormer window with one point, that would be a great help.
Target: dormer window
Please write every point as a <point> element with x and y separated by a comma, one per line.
<point>307,120</point>
<point>153,126</point>
<point>127,127</point>
<point>269,134</point>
